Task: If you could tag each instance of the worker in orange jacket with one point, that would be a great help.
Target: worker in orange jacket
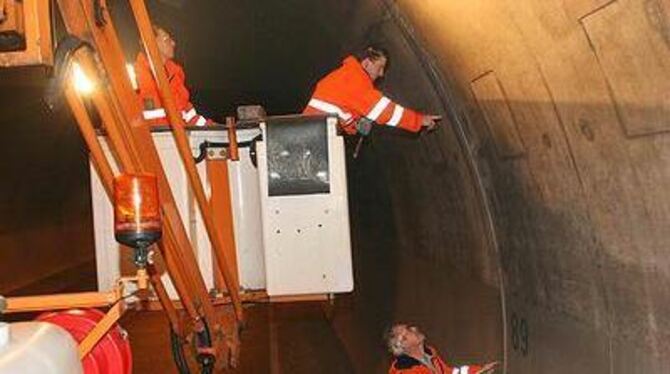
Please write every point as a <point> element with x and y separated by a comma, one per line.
<point>153,110</point>
<point>349,93</point>
<point>413,356</point>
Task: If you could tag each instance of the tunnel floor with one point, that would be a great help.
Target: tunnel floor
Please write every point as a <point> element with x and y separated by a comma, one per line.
<point>279,338</point>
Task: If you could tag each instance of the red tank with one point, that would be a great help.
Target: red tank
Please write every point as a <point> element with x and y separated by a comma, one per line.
<point>112,354</point>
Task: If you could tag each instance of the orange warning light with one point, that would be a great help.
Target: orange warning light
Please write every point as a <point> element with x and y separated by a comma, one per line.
<point>137,220</point>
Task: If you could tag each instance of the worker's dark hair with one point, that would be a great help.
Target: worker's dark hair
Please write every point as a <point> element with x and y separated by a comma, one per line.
<point>372,52</point>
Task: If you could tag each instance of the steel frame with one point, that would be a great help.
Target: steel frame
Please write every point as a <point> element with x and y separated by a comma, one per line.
<point>133,149</point>
<point>132,146</point>
<point>131,142</point>
<point>114,297</point>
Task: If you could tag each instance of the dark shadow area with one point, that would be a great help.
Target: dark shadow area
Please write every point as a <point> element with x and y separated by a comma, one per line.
<point>45,213</point>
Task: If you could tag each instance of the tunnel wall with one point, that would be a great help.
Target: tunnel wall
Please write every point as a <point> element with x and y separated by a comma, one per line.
<point>45,227</point>
<point>563,109</point>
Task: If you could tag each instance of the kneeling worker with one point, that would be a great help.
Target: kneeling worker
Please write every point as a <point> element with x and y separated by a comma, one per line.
<point>412,355</point>
<point>349,92</point>
<point>153,110</point>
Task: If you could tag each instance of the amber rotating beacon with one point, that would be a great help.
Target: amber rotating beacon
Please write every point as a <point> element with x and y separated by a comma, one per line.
<point>137,219</point>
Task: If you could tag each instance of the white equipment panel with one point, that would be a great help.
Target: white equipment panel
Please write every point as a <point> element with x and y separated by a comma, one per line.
<point>305,213</point>
<point>246,212</point>
<point>246,203</point>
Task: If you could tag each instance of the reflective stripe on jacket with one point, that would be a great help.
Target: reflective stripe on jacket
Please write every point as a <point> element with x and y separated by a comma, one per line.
<point>408,365</point>
<point>151,103</point>
<point>349,93</point>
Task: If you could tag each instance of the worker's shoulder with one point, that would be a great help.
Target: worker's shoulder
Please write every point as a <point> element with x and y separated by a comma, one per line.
<point>349,76</point>
<point>352,68</point>
<point>173,66</point>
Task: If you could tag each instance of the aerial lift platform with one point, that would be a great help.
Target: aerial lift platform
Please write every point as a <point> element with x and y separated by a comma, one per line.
<point>208,197</point>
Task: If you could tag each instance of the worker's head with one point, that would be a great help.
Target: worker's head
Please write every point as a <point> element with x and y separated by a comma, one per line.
<point>166,44</point>
<point>403,338</point>
<point>374,60</point>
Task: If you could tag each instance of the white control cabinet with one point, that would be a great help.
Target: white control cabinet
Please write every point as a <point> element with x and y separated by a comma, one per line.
<point>305,213</point>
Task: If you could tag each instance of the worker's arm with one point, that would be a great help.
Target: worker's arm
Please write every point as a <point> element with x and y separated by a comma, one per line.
<point>475,369</point>
<point>182,95</point>
<point>147,88</point>
<point>488,368</point>
<point>383,111</point>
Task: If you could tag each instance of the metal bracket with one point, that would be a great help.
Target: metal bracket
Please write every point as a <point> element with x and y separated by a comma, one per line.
<point>216,153</point>
<point>219,150</point>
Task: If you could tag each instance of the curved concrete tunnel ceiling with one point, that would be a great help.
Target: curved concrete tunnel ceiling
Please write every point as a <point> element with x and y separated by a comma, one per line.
<point>532,228</point>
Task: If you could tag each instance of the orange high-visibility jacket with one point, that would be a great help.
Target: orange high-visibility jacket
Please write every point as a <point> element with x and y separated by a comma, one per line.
<point>349,93</point>
<point>153,110</point>
<point>408,365</point>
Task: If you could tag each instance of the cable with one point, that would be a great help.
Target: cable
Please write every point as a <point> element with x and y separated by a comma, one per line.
<point>178,353</point>
<point>204,340</point>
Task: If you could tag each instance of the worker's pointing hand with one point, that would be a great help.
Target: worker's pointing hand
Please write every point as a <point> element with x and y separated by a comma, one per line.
<point>429,121</point>
<point>488,368</point>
